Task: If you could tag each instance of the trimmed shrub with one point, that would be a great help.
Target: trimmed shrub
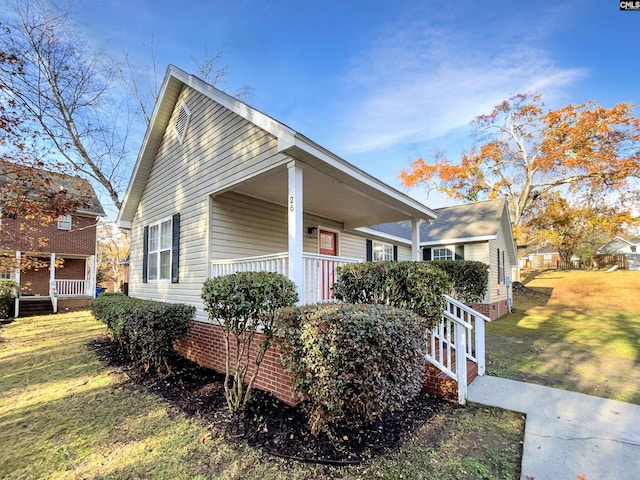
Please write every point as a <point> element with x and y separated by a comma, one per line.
<point>352,363</point>
<point>468,280</point>
<point>7,298</point>
<point>242,303</point>
<point>415,286</point>
<point>145,329</point>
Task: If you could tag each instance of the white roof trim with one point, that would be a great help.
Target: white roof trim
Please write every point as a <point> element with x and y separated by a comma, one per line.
<point>287,139</point>
<point>624,240</point>
<point>452,241</point>
<point>312,148</point>
<point>386,236</point>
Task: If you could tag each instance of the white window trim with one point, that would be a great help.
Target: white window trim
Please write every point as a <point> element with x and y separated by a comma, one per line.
<point>450,249</point>
<point>10,271</point>
<point>63,221</point>
<point>385,253</point>
<point>159,250</point>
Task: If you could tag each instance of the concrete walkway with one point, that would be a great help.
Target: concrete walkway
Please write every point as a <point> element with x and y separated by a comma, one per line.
<point>568,433</point>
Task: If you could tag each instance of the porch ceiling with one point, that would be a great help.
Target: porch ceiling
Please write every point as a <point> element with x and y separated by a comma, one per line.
<point>332,195</point>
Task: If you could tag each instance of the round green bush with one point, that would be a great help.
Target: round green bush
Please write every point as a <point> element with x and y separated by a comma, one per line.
<point>415,286</point>
<point>352,363</point>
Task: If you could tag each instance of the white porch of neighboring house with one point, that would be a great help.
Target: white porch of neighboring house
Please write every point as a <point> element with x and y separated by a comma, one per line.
<point>78,282</point>
<point>322,209</point>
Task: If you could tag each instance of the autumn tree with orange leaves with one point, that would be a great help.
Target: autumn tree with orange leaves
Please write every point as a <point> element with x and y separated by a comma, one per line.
<point>574,228</point>
<point>526,153</point>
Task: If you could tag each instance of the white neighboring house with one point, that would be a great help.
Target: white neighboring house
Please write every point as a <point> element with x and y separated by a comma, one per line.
<point>479,231</point>
<point>627,246</point>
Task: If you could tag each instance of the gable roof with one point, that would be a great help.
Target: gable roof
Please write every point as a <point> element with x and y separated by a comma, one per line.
<point>290,143</point>
<point>613,245</point>
<point>77,188</point>
<point>466,222</point>
<point>469,222</point>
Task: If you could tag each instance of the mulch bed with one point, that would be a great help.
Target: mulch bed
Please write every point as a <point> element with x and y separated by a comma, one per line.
<point>269,424</point>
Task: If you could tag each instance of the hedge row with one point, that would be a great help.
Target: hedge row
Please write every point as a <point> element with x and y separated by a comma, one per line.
<point>415,286</point>
<point>468,279</point>
<point>146,330</point>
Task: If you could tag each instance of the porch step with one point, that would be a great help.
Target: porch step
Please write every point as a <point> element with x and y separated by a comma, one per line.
<point>442,385</point>
<point>30,307</point>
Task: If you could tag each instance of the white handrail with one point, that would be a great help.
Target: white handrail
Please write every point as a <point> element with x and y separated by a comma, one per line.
<point>457,338</point>
<point>71,288</point>
<point>319,271</point>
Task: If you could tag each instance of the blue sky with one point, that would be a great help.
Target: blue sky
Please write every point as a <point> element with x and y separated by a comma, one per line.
<point>380,83</point>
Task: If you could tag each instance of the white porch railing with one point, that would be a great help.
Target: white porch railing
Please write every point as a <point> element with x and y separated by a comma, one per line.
<point>73,288</point>
<point>319,271</point>
<point>457,338</point>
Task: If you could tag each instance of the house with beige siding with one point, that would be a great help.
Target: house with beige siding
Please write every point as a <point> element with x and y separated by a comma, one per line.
<point>479,231</point>
<point>220,187</point>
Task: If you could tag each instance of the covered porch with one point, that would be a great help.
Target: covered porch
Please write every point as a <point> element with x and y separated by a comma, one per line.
<point>309,228</point>
<point>54,279</point>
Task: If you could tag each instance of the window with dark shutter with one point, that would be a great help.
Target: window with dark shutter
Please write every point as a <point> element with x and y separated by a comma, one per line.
<point>145,255</point>
<point>175,249</point>
<point>369,250</point>
<point>161,245</point>
<point>426,254</point>
<point>395,253</point>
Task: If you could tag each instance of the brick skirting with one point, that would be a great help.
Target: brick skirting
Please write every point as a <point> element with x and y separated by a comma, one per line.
<point>204,345</point>
<point>492,310</point>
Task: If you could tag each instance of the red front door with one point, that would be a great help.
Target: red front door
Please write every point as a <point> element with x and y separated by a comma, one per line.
<point>328,246</point>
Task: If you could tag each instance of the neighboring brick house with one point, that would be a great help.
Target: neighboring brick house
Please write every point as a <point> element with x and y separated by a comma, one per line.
<point>61,270</point>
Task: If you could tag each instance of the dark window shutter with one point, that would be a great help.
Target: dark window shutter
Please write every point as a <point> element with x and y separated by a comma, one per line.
<point>395,253</point>
<point>175,249</point>
<point>459,252</point>
<point>504,279</point>
<point>369,250</point>
<point>498,265</point>
<point>145,253</point>
<point>426,254</point>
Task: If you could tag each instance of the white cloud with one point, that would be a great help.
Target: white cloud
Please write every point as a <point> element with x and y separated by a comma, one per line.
<point>421,82</point>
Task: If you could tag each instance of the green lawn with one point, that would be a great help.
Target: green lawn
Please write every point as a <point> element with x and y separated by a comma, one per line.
<point>64,415</point>
<point>577,330</point>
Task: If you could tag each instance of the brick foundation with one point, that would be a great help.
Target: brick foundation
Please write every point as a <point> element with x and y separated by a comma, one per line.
<point>204,344</point>
<point>72,304</point>
<point>492,310</point>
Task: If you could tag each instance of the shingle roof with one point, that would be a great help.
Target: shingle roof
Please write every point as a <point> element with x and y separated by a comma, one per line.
<point>76,187</point>
<point>470,220</point>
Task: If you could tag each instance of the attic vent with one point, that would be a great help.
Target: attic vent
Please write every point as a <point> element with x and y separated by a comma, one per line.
<point>182,121</point>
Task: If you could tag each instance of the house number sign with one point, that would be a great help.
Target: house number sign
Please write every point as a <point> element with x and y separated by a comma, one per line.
<point>292,204</point>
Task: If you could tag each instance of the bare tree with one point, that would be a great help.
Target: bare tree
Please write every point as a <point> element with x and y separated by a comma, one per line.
<point>69,91</point>
<point>145,88</point>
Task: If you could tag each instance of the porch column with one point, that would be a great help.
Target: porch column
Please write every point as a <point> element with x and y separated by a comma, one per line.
<point>52,274</point>
<point>92,276</point>
<point>17,278</point>
<point>294,213</point>
<point>415,239</point>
